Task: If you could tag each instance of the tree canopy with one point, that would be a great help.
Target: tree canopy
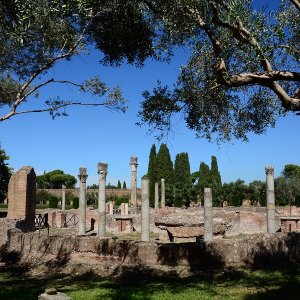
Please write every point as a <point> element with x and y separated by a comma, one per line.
<point>55,179</point>
<point>243,69</point>
<point>37,34</point>
<point>241,75</point>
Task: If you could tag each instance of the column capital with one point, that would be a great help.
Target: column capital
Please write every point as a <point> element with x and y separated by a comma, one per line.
<point>133,161</point>
<point>102,170</point>
<point>63,187</point>
<point>82,175</point>
<point>162,180</point>
<point>269,170</point>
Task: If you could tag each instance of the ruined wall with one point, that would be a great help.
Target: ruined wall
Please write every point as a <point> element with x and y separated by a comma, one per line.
<point>112,257</point>
<point>6,225</point>
<point>21,196</point>
<point>75,192</point>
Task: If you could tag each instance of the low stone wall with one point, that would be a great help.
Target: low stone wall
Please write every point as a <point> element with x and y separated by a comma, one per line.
<point>107,257</point>
<point>6,224</point>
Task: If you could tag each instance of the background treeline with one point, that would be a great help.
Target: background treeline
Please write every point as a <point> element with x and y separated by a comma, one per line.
<point>184,186</point>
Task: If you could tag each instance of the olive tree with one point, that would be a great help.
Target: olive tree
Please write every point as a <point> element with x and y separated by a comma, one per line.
<point>36,35</point>
<point>243,67</point>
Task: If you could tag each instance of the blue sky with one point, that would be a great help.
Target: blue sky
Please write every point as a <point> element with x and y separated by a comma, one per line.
<point>91,135</point>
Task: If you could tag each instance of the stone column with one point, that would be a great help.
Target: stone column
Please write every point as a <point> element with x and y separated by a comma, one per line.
<point>270,199</point>
<point>102,171</point>
<point>133,165</point>
<point>145,236</point>
<point>163,194</point>
<point>156,204</point>
<point>82,200</point>
<point>208,220</point>
<point>63,199</point>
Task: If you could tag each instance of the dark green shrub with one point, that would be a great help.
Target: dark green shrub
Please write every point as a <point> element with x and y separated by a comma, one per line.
<point>42,197</point>
<point>69,197</point>
<point>53,202</point>
<point>75,202</point>
<point>92,198</point>
<point>121,199</point>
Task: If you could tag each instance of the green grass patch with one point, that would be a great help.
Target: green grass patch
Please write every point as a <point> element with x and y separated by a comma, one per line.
<point>230,284</point>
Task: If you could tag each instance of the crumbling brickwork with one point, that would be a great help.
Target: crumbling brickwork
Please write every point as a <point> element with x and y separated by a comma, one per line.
<point>21,196</point>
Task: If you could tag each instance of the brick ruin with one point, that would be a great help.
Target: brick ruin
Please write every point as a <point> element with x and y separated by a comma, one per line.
<point>21,196</point>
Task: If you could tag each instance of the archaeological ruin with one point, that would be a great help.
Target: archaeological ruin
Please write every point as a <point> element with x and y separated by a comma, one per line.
<point>110,240</point>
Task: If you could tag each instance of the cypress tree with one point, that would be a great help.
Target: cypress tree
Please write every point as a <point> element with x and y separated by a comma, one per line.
<point>204,178</point>
<point>151,174</point>
<point>119,184</point>
<point>216,182</point>
<point>124,185</point>
<point>215,174</point>
<point>182,180</point>
<point>164,169</point>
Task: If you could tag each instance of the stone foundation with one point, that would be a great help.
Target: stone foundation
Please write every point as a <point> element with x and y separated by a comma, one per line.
<point>107,257</point>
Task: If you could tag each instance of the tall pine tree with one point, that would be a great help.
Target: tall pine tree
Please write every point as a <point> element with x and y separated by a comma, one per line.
<point>164,169</point>
<point>216,182</point>
<point>124,185</point>
<point>182,180</point>
<point>152,174</point>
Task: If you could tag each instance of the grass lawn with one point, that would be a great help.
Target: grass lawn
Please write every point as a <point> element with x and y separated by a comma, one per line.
<point>233,284</point>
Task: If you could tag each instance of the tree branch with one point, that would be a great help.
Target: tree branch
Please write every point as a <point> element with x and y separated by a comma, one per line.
<point>296,3</point>
<point>52,80</point>
<point>53,109</point>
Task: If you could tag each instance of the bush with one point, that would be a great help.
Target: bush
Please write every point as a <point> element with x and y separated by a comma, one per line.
<point>42,197</point>
<point>121,199</point>
<point>75,202</point>
<point>92,198</point>
<point>53,202</point>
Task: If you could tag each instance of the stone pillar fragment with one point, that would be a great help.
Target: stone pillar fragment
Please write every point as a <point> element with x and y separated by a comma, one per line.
<point>145,235</point>
<point>63,199</point>
<point>208,220</point>
<point>270,199</point>
<point>110,208</point>
<point>156,200</point>
<point>82,200</point>
<point>163,194</point>
<point>21,196</point>
<point>122,209</point>
<point>133,198</point>
<point>102,171</point>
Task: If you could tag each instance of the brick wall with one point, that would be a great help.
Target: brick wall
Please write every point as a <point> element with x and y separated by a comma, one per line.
<point>75,192</point>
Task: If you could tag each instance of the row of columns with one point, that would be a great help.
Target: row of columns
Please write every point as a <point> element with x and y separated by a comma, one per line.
<point>145,223</point>
<point>102,171</point>
<point>133,195</point>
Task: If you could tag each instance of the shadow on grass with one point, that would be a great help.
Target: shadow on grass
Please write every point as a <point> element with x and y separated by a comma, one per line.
<point>267,284</point>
